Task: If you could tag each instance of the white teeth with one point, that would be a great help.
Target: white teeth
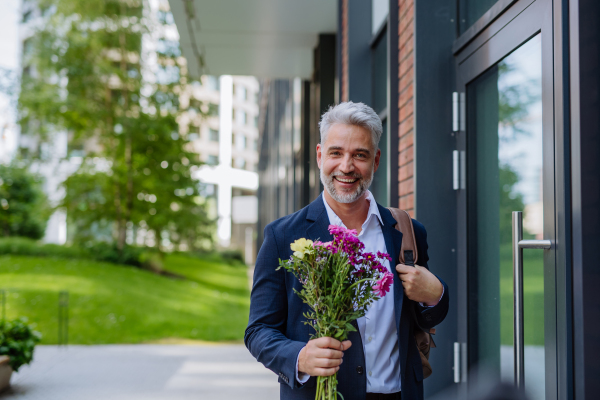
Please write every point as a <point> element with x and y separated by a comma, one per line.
<point>346,180</point>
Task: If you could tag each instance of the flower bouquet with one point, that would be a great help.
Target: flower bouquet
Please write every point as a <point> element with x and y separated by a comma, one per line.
<point>340,281</point>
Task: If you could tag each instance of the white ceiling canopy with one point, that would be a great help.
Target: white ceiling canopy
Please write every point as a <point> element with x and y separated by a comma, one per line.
<point>264,38</point>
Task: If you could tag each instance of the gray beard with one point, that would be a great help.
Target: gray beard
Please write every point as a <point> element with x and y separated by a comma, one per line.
<point>363,185</point>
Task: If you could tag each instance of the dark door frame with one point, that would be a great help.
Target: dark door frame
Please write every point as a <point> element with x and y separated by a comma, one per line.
<point>516,25</point>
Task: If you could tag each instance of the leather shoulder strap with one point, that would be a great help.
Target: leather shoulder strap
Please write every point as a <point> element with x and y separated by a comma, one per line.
<point>404,225</point>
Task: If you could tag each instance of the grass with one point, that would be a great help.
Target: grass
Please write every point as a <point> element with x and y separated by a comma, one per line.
<point>111,303</point>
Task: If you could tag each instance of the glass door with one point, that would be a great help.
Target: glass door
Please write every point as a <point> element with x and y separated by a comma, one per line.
<point>507,145</point>
<point>505,169</point>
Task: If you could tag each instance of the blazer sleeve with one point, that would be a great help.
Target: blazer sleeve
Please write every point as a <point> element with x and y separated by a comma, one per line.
<point>428,317</point>
<point>265,334</point>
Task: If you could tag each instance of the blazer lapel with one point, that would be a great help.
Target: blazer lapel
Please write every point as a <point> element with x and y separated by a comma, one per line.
<point>318,228</point>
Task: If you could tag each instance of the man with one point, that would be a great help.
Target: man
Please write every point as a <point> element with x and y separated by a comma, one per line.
<point>381,360</point>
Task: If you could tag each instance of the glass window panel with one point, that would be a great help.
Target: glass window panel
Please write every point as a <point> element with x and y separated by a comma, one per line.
<point>380,184</point>
<point>379,71</point>
<point>379,12</point>
<point>471,10</point>
<point>504,108</point>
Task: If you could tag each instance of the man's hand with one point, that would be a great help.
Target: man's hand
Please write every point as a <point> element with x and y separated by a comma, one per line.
<point>420,284</point>
<point>322,356</point>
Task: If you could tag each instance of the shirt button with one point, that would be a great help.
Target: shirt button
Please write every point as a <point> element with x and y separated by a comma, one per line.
<point>370,338</point>
<point>359,370</point>
<point>370,373</point>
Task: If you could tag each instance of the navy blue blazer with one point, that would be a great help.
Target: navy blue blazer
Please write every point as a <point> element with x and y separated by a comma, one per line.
<point>276,331</point>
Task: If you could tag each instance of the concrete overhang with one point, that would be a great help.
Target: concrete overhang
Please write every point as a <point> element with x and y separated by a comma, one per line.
<point>264,38</point>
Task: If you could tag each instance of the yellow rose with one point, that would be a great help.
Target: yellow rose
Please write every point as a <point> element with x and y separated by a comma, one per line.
<point>301,247</point>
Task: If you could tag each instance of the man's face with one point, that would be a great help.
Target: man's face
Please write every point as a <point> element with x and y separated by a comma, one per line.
<point>347,161</point>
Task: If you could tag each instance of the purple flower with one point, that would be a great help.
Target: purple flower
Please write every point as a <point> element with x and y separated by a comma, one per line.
<point>358,272</point>
<point>384,284</point>
<point>384,256</point>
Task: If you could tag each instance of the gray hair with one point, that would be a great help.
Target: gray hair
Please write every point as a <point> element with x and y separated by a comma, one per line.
<point>350,113</point>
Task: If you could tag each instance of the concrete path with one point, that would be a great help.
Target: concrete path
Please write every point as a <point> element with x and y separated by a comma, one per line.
<point>143,372</point>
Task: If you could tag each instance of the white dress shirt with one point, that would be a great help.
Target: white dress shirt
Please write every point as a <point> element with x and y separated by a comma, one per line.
<point>377,328</point>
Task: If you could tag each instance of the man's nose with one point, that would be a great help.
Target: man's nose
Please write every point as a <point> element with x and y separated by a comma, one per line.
<point>347,164</point>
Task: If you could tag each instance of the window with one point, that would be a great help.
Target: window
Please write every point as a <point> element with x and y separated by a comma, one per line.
<point>240,142</point>
<point>27,15</point>
<point>213,135</point>
<point>165,17</point>
<point>212,160</point>
<point>379,12</point>
<point>28,48</point>
<point>240,163</point>
<point>240,117</point>
<point>167,74</point>
<point>470,11</point>
<point>212,83</point>
<point>193,133</point>
<point>241,92</point>
<point>379,87</point>
<point>168,48</point>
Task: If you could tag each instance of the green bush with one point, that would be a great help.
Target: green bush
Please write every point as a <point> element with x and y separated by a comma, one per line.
<point>17,340</point>
<point>30,247</point>
<point>232,257</point>
<point>100,251</point>
<point>23,204</point>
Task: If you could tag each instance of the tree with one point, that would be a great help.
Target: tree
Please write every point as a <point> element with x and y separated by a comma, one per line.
<point>91,76</point>
<point>23,210</point>
<point>510,200</point>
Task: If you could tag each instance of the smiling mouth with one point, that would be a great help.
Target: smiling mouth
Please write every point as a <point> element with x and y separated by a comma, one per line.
<point>345,180</point>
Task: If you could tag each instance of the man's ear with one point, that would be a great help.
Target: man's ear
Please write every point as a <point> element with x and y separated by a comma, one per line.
<point>377,158</point>
<point>319,155</point>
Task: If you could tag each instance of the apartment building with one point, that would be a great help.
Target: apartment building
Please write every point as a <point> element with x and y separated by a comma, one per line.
<point>226,140</point>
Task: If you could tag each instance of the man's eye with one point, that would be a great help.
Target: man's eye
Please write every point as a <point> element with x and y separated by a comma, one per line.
<point>336,153</point>
<point>360,155</point>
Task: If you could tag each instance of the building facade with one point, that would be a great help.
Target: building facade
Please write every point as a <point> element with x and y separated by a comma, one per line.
<point>226,140</point>
<point>491,140</point>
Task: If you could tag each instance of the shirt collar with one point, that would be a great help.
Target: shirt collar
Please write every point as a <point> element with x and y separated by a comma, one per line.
<point>373,211</point>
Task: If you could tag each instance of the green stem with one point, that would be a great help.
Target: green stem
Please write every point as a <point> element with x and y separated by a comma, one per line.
<point>361,281</point>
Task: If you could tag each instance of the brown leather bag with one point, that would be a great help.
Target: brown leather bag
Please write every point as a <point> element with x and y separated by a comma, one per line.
<point>408,255</point>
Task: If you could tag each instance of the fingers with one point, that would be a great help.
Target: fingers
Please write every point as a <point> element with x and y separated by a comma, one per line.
<point>403,269</point>
<point>322,356</point>
<point>327,342</point>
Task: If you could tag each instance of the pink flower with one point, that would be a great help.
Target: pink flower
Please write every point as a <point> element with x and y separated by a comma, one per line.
<point>384,284</point>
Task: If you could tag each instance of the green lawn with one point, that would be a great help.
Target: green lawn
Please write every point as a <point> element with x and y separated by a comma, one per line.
<point>119,304</point>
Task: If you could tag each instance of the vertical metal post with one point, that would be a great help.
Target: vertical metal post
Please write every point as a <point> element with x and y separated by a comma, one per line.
<point>3,305</point>
<point>63,318</point>
<point>457,363</point>
<point>455,170</point>
<point>519,347</point>
<point>455,112</point>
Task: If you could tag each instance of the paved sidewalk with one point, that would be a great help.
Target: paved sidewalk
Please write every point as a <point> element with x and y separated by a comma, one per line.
<point>143,372</point>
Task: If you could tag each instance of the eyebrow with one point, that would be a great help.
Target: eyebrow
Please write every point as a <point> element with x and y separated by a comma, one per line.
<point>360,149</point>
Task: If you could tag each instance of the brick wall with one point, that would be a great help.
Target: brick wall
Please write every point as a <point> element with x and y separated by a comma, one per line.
<point>406,131</point>
<point>344,78</point>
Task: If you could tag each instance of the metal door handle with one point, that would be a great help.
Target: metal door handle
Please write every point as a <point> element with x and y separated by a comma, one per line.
<point>518,244</point>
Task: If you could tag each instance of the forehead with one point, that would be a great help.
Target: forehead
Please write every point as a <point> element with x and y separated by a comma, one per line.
<point>348,136</point>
